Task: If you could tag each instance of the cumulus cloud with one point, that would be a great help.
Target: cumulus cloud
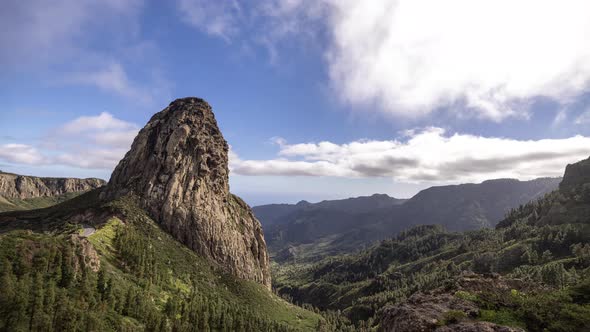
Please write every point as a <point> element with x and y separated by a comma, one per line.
<point>413,57</point>
<point>92,142</point>
<point>423,156</point>
<point>112,78</point>
<point>101,130</point>
<point>20,154</point>
<point>104,121</point>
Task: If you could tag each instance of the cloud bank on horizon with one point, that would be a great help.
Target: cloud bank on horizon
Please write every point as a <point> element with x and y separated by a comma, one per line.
<point>421,155</point>
<point>91,142</point>
<point>427,155</point>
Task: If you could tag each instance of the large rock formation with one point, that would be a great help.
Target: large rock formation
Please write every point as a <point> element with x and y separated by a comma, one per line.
<point>178,167</point>
<point>15,186</point>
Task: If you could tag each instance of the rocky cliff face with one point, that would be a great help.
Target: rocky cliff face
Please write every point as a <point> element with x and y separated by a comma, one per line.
<point>575,175</point>
<point>178,167</point>
<point>24,187</point>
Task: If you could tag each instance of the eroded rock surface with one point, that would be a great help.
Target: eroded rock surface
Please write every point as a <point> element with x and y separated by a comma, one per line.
<point>25,187</point>
<point>178,167</point>
<point>443,310</point>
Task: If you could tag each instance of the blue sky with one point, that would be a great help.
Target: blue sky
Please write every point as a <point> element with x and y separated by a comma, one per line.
<point>318,99</point>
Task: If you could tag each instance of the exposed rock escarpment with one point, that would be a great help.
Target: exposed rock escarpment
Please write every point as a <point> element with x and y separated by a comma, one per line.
<point>15,186</point>
<point>178,167</point>
<point>575,175</point>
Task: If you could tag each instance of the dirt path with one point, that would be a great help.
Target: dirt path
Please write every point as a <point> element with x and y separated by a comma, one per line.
<point>88,230</point>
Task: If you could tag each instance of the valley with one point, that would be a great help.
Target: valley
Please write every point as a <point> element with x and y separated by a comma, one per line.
<point>306,231</point>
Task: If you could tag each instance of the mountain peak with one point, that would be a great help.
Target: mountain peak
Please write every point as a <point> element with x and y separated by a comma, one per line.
<point>196,101</point>
<point>178,167</point>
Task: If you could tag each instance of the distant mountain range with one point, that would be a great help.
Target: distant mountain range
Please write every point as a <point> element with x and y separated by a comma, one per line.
<point>310,231</point>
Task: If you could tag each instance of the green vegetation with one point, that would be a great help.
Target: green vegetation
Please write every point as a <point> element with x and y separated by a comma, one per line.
<point>452,317</point>
<point>546,250</point>
<point>147,281</point>
<point>9,204</point>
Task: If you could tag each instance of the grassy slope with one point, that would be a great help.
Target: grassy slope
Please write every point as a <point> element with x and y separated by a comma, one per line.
<point>7,204</point>
<point>184,263</point>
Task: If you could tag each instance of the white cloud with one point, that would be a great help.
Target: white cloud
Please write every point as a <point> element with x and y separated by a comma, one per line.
<point>92,142</point>
<point>426,156</point>
<point>103,121</point>
<point>20,154</point>
<point>94,158</point>
<point>101,130</point>
<point>218,18</point>
<point>412,57</point>
<point>112,78</point>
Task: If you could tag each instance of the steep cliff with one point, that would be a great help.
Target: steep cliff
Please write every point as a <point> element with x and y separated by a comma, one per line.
<point>25,187</point>
<point>576,174</point>
<point>178,168</point>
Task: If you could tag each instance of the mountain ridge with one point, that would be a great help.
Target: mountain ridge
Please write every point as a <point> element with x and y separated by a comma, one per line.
<point>28,186</point>
<point>332,227</point>
<point>24,192</point>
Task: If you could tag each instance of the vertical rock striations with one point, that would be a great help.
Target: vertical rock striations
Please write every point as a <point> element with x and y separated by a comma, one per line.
<point>15,186</point>
<point>178,167</point>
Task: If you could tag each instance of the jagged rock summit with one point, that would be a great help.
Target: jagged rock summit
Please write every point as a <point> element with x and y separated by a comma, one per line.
<point>178,167</point>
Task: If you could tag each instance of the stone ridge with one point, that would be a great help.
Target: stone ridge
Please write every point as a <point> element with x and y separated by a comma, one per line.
<point>178,167</point>
<point>15,186</point>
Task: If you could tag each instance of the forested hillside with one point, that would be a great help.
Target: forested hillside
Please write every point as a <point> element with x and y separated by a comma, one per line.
<point>127,275</point>
<point>540,252</point>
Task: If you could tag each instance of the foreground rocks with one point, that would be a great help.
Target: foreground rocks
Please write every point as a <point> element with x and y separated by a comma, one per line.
<point>15,186</point>
<point>178,167</point>
<point>446,310</point>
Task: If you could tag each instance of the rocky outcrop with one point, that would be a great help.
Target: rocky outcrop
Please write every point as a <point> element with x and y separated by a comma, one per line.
<point>448,309</point>
<point>87,255</point>
<point>575,175</point>
<point>14,186</point>
<point>178,168</point>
